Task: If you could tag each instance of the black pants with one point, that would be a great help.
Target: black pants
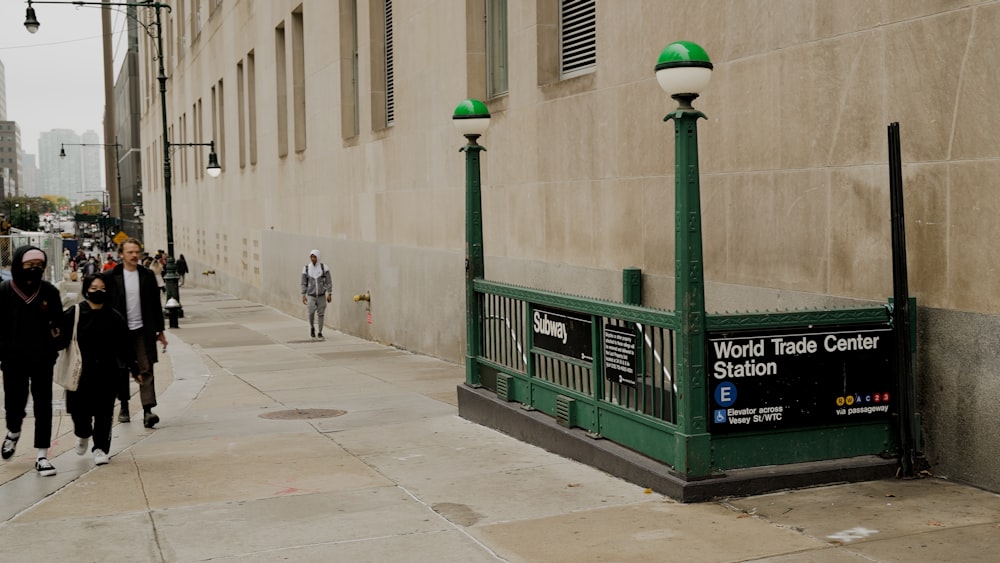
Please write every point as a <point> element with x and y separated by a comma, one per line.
<point>17,379</point>
<point>147,390</point>
<point>92,406</point>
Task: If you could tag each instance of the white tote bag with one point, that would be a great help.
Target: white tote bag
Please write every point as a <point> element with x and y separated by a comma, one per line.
<point>70,364</point>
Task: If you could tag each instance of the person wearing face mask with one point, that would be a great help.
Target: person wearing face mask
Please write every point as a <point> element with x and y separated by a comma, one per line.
<point>31,313</point>
<point>101,333</point>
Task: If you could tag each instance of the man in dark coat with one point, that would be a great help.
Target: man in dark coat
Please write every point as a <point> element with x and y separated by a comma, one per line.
<point>136,296</point>
<point>30,309</point>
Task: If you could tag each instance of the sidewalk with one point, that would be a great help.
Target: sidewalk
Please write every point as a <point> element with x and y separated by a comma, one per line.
<point>276,447</point>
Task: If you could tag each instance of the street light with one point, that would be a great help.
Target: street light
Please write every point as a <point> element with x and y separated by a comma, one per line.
<point>683,71</point>
<point>213,167</point>
<point>32,24</point>
<point>116,145</point>
<point>472,118</point>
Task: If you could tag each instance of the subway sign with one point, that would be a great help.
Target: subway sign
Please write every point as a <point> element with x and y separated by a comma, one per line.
<point>792,378</point>
<point>562,332</point>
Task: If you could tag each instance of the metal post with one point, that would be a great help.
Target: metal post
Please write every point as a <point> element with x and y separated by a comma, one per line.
<point>474,265</point>
<point>170,277</point>
<point>689,284</point>
<point>908,427</point>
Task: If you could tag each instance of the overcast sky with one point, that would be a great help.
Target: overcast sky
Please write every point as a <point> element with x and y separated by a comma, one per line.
<point>55,78</point>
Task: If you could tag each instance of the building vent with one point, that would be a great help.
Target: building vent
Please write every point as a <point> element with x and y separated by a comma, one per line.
<point>565,411</point>
<point>577,37</point>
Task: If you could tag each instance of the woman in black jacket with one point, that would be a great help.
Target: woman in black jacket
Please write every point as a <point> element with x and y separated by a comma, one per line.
<point>102,336</point>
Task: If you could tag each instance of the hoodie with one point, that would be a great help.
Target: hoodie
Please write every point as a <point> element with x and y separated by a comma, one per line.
<point>29,311</point>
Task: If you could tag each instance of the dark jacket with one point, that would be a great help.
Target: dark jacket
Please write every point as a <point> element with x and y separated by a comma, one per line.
<point>26,328</point>
<point>102,338</point>
<point>149,303</point>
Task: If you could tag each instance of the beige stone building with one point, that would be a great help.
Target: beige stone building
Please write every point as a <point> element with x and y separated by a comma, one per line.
<point>332,119</point>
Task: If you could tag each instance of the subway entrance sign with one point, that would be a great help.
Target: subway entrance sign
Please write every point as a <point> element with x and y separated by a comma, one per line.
<point>793,378</point>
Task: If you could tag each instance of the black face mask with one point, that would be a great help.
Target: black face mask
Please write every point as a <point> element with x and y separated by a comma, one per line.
<point>97,296</point>
<point>33,275</point>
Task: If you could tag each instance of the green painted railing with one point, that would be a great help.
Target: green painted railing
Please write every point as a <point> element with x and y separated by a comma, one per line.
<point>644,416</point>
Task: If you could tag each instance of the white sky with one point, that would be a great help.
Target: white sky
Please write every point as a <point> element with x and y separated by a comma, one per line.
<point>55,78</point>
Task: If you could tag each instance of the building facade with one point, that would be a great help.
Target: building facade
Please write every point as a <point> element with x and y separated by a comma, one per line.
<point>332,121</point>
<point>10,158</point>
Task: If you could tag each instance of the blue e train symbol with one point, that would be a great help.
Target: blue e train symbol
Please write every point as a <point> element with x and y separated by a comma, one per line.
<point>725,394</point>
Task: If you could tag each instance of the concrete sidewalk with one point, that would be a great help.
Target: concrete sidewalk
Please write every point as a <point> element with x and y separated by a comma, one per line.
<point>277,447</point>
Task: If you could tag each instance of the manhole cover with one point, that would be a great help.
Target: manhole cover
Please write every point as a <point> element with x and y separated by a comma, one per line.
<point>302,414</point>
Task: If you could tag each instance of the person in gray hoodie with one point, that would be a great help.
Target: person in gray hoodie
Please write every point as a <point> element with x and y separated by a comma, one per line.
<point>316,284</point>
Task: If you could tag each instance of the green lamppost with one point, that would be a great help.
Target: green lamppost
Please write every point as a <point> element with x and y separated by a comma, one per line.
<point>683,71</point>
<point>471,118</point>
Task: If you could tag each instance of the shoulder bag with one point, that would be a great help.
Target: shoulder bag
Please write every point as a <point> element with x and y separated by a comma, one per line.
<point>69,365</point>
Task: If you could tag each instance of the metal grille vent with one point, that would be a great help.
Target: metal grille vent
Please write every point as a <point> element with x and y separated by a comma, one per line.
<point>503,386</point>
<point>565,411</point>
<point>577,37</point>
<point>390,90</point>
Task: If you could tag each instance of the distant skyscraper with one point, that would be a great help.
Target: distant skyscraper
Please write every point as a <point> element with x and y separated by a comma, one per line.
<point>29,176</point>
<point>3,93</point>
<point>92,158</point>
<point>60,176</point>
<point>10,156</point>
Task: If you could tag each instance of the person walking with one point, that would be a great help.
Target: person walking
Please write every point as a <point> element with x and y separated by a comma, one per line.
<point>182,270</point>
<point>31,309</point>
<point>100,333</point>
<point>135,296</point>
<point>315,285</point>
<point>156,266</point>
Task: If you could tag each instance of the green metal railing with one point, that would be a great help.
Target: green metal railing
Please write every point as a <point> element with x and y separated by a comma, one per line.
<point>643,416</point>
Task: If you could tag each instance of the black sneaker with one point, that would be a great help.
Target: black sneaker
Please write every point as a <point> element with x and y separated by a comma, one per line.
<point>320,335</point>
<point>44,467</point>
<point>124,417</point>
<point>9,445</point>
<point>150,419</point>
<point>312,332</point>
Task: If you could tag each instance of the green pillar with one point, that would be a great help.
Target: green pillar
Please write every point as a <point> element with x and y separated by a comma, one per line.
<point>472,118</point>
<point>682,70</point>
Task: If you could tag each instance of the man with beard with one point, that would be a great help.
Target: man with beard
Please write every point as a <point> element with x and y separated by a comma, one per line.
<point>30,309</point>
<point>136,297</point>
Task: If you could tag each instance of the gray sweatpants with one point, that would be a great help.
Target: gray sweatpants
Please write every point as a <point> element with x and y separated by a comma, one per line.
<point>317,307</point>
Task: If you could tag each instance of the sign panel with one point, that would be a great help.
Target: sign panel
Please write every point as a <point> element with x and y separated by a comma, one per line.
<point>562,332</point>
<point>764,380</point>
<point>620,361</point>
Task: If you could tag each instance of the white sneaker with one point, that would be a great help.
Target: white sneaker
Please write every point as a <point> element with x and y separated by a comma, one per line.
<point>44,467</point>
<point>100,458</point>
<point>81,445</point>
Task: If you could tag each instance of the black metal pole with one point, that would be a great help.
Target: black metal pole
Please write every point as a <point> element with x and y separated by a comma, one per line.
<point>170,276</point>
<point>901,311</point>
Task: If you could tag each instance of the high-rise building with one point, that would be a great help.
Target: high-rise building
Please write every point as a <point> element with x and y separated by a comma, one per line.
<point>10,151</point>
<point>92,162</point>
<point>3,92</point>
<point>29,175</point>
<point>60,176</point>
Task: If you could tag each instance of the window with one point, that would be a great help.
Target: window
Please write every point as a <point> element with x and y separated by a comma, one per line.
<point>496,48</point>
<point>220,140</point>
<point>349,114</point>
<point>577,37</point>
<point>241,114</point>
<point>390,93</point>
<point>252,105</point>
<point>298,80</point>
<point>281,83</point>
